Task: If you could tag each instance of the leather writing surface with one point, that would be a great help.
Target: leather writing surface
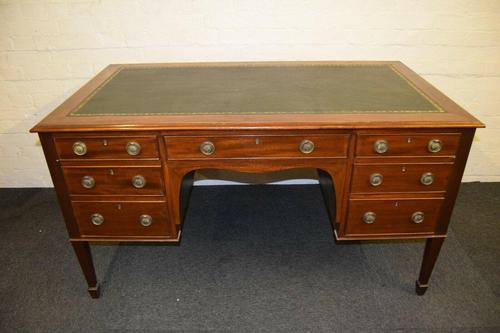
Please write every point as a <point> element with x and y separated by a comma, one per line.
<point>256,90</point>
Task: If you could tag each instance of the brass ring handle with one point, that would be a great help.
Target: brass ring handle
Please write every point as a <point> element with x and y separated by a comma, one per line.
<point>381,146</point>
<point>417,217</point>
<point>133,148</point>
<point>79,148</point>
<point>97,219</point>
<point>138,181</point>
<point>427,178</point>
<point>88,182</point>
<point>376,179</point>
<point>306,147</point>
<point>207,148</point>
<point>435,145</point>
<point>145,220</point>
<point>369,217</point>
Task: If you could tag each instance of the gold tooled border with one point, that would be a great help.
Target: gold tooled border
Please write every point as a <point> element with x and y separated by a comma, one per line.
<point>411,84</point>
<point>103,84</point>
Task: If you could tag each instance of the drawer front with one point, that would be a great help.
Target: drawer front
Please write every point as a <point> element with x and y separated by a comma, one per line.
<point>87,148</point>
<point>127,218</point>
<point>392,216</point>
<point>411,144</point>
<point>379,178</point>
<point>114,180</point>
<point>334,145</point>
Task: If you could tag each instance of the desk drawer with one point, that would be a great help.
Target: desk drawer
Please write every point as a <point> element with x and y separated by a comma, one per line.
<point>129,218</point>
<point>378,178</point>
<point>117,180</point>
<point>392,216</point>
<point>408,144</point>
<point>107,147</point>
<point>334,145</point>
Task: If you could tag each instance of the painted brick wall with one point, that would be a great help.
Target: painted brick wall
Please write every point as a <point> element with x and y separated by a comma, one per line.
<point>50,48</point>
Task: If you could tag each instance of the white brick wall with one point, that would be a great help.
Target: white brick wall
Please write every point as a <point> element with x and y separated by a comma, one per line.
<point>50,48</point>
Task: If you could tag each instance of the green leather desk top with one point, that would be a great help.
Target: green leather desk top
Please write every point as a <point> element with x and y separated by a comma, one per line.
<point>298,89</point>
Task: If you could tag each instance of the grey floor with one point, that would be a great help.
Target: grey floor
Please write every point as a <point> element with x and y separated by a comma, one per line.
<point>252,259</point>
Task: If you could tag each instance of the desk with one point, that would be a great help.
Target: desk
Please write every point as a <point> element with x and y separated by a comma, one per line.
<point>389,148</point>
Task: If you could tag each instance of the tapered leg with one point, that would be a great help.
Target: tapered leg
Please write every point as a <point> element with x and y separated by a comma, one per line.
<point>82,250</point>
<point>432,248</point>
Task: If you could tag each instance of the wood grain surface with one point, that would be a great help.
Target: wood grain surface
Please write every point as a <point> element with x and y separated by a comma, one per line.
<point>401,177</point>
<point>114,180</point>
<point>121,218</point>
<point>393,216</point>
<point>257,146</point>
<point>106,147</point>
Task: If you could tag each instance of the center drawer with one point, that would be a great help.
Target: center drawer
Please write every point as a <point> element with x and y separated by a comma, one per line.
<point>197,147</point>
<point>114,180</point>
<point>128,218</point>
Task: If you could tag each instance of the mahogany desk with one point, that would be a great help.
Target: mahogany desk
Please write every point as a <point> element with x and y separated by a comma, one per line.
<point>390,149</point>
